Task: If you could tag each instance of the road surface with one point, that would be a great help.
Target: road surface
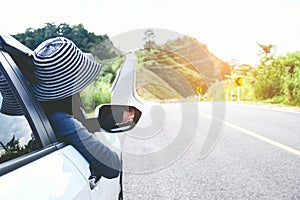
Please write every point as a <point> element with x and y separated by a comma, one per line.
<point>208,150</point>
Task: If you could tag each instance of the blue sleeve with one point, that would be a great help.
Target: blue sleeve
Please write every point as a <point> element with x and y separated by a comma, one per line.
<point>103,161</point>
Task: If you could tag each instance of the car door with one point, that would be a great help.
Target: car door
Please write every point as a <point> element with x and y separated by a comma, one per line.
<point>33,165</point>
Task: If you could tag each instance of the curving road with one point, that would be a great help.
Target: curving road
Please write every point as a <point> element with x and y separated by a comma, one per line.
<point>208,150</point>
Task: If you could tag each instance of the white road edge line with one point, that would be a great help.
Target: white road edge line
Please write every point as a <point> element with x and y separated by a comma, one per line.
<point>257,136</point>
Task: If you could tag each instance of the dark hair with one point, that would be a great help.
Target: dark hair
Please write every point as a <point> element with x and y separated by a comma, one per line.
<point>63,105</point>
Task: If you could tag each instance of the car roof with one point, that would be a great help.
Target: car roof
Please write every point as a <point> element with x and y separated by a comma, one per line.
<point>22,55</point>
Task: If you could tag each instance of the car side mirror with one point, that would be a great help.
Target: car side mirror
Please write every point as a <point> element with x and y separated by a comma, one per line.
<point>118,118</point>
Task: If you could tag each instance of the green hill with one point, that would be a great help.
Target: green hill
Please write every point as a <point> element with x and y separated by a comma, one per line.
<point>184,65</point>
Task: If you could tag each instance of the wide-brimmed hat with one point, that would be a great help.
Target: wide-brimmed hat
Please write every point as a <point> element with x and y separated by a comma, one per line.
<point>9,105</point>
<point>62,69</point>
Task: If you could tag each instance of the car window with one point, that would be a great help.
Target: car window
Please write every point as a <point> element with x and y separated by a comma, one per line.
<point>16,136</point>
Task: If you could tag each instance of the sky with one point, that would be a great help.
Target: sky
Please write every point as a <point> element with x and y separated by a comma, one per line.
<point>231,29</point>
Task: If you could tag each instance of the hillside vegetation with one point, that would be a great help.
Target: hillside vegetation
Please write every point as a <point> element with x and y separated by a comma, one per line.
<point>275,80</point>
<point>181,68</point>
<point>184,68</point>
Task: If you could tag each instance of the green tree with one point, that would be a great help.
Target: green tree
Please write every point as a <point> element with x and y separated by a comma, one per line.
<point>291,84</point>
<point>149,39</point>
<point>267,77</point>
<point>13,149</point>
<point>99,45</point>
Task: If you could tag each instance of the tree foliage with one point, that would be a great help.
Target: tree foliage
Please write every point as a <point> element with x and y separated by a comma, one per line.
<point>291,80</point>
<point>14,149</point>
<point>99,92</point>
<point>99,45</point>
<point>275,79</point>
<point>149,40</point>
<point>267,76</point>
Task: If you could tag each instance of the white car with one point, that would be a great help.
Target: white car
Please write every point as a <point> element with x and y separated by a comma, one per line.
<point>33,164</point>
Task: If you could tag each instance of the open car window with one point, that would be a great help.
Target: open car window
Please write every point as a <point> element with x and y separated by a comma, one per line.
<point>17,138</point>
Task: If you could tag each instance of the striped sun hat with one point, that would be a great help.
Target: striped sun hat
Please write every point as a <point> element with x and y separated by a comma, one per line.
<point>10,105</point>
<point>62,69</point>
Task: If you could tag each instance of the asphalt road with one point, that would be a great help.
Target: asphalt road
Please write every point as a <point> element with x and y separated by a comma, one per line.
<point>208,150</point>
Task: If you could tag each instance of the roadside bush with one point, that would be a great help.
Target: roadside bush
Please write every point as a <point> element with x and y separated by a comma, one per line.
<point>99,92</point>
<point>217,91</point>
